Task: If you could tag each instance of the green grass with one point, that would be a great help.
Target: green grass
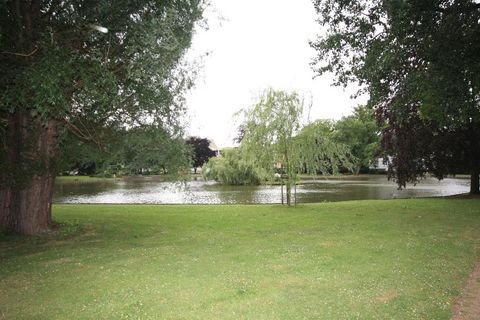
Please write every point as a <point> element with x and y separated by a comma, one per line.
<point>398,259</point>
<point>81,179</point>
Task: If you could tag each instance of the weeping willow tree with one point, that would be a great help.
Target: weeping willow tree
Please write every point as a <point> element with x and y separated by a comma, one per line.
<point>274,139</point>
<point>80,67</point>
<point>232,169</point>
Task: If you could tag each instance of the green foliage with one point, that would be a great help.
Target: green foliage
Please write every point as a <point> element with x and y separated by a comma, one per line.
<point>269,129</point>
<point>140,150</point>
<point>319,153</point>
<point>273,140</point>
<point>59,72</point>
<point>132,71</point>
<point>360,133</point>
<point>74,153</point>
<point>419,63</point>
<point>151,149</point>
<point>232,169</point>
<point>201,151</point>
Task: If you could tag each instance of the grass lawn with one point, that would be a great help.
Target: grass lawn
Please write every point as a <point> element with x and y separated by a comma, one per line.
<point>396,259</point>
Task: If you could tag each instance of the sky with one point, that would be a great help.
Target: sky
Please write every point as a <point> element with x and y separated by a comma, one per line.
<point>249,46</point>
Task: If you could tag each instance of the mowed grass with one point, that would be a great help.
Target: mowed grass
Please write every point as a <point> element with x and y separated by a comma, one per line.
<point>398,259</point>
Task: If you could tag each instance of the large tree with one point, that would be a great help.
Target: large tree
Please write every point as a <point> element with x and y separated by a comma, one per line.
<point>275,140</point>
<point>419,63</point>
<point>201,151</point>
<point>360,133</point>
<point>81,66</point>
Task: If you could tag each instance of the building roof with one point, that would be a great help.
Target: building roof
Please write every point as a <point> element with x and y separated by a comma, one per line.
<point>213,146</point>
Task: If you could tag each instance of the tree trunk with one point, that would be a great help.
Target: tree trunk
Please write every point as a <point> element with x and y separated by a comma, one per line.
<point>474,158</point>
<point>295,194</point>
<point>474,164</point>
<point>26,185</point>
<point>28,211</point>
<point>289,193</point>
<point>281,189</point>
<point>475,182</point>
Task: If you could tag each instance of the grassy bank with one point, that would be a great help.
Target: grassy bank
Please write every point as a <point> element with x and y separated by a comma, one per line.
<point>81,179</point>
<point>401,259</point>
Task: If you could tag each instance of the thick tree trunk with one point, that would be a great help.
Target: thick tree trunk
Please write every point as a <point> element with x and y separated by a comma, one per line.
<point>473,136</point>
<point>28,144</point>
<point>475,163</point>
<point>28,211</point>
<point>27,184</point>
<point>475,182</point>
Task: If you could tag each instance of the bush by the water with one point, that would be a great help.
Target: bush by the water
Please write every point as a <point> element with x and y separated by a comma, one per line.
<point>231,169</point>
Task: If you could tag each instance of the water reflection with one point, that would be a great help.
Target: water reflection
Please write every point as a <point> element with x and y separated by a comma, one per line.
<point>151,190</point>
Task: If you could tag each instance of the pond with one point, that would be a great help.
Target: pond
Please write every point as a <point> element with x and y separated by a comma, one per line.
<point>153,190</point>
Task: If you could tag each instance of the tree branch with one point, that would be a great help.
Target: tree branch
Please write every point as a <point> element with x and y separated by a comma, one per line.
<point>79,133</point>
<point>21,54</point>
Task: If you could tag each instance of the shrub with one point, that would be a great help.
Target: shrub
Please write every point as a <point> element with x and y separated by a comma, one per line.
<point>231,169</point>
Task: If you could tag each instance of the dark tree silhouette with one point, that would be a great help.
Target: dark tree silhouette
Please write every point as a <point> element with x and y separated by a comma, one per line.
<point>201,151</point>
<point>419,62</point>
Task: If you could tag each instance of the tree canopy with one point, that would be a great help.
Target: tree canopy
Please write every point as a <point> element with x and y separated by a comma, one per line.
<point>231,168</point>
<point>138,150</point>
<point>360,133</point>
<point>419,63</point>
<point>151,149</point>
<point>82,67</point>
<point>201,151</point>
<point>275,140</point>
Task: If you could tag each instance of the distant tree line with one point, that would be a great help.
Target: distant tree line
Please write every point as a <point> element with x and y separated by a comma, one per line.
<point>144,150</point>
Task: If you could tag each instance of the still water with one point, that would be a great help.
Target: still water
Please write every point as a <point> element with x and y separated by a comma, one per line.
<point>152,190</point>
